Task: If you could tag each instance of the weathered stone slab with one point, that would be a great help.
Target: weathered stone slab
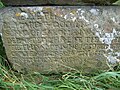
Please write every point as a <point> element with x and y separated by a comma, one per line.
<point>61,39</point>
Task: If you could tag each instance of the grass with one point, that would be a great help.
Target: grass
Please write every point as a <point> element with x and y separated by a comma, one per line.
<point>117,2</point>
<point>1,4</point>
<point>10,80</point>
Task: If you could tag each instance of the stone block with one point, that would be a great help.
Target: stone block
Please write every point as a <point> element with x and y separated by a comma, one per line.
<point>62,38</point>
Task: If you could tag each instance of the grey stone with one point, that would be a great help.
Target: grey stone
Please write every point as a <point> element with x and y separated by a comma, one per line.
<point>58,2</point>
<point>40,2</point>
<point>61,39</point>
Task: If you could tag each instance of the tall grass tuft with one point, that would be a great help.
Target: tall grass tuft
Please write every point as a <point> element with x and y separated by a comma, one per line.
<point>11,80</point>
<point>1,4</point>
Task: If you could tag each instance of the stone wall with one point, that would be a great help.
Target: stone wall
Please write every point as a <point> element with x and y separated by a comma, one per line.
<point>61,38</point>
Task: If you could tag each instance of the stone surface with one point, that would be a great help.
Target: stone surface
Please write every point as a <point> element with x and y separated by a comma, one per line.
<point>40,2</point>
<point>58,2</point>
<point>61,39</point>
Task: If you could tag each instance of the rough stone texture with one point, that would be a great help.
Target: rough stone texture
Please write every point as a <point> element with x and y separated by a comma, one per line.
<point>40,2</point>
<point>61,39</point>
<point>57,2</point>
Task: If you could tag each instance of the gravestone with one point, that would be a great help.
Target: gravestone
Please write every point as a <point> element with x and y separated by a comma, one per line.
<point>61,39</point>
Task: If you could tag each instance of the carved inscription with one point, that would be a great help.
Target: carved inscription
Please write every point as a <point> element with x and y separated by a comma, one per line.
<point>50,42</point>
